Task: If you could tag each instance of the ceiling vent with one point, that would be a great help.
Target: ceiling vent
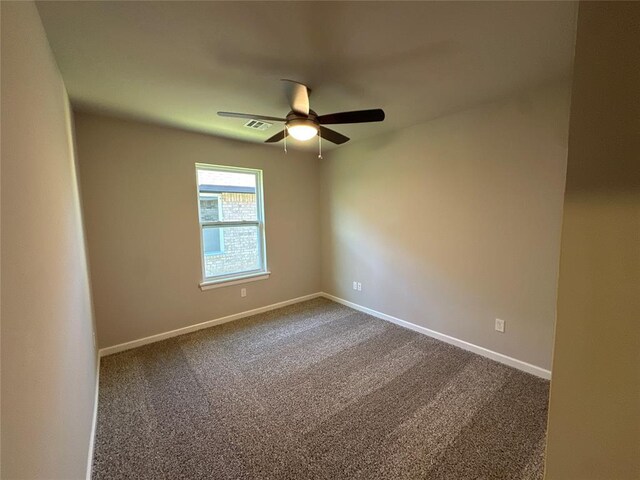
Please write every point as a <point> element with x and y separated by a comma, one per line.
<point>258,125</point>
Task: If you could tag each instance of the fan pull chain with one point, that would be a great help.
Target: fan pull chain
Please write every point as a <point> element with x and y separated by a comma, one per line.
<point>286,131</point>
<point>319,145</point>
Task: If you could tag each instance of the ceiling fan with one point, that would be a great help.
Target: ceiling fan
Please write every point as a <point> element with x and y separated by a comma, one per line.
<point>302,123</point>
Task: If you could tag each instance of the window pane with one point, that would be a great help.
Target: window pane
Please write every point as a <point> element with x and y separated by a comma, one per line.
<point>209,207</point>
<point>236,193</point>
<point>212,241</point>
<point>239,250</point>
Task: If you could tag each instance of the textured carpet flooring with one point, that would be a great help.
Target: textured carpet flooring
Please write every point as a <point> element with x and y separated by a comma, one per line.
<point>315,391</point>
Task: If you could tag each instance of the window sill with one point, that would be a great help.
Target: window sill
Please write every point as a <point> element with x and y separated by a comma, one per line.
<point>227,282</point>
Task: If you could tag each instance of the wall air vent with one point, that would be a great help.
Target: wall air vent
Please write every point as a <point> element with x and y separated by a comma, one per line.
<point>258,125</point>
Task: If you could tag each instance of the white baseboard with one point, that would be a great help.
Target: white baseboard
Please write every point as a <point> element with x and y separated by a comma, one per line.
<point>199,326</point>
<point>94,422</point>
<point>485,352</point>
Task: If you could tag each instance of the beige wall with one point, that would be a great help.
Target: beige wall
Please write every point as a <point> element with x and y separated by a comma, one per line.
<point>456,222</point>
<point>594,419</point>
<point>48,354</point>
<point>139,193</point>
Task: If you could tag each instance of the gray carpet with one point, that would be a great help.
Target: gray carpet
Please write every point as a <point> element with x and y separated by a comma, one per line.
<point>315,390</point>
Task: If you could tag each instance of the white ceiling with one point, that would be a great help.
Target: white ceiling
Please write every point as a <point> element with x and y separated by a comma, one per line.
<point>178,63</point>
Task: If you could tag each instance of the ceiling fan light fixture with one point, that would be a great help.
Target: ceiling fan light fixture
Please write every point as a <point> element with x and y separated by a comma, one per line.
<point>302,123</point>
<point>302,129</point>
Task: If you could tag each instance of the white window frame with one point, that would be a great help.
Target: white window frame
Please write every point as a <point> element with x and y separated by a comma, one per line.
<point>260,273</point>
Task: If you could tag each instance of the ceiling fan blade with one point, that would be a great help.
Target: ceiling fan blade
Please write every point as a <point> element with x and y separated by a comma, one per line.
<point>276,138</point>
<point>333,136</point>
<point>251,116</point>
<point>358,116</point>
<point>298,96</point>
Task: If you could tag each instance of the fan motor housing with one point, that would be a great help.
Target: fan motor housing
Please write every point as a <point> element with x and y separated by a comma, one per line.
<point>294,118</point>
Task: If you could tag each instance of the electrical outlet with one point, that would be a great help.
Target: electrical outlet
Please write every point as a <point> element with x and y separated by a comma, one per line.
<point>500,325</point>
<point>355,285</point>
<point>359,286</point>
<point>243,292</point>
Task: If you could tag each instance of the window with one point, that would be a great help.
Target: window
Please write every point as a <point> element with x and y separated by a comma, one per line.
<point>231,225</point>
